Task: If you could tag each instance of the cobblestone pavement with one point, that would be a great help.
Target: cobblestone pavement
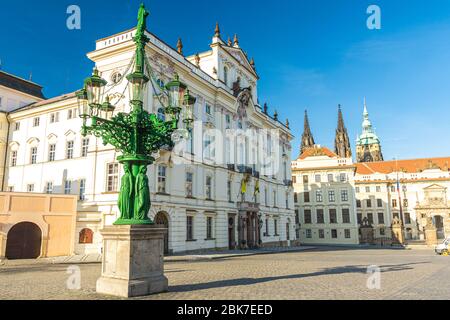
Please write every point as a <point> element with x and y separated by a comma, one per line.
<point>325,273</point>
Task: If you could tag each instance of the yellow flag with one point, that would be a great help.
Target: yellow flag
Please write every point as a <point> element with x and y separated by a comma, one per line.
<point>257,187</point>
<point>244,186</point>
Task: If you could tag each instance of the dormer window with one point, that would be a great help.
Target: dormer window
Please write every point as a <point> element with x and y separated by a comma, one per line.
<point>208,109</point>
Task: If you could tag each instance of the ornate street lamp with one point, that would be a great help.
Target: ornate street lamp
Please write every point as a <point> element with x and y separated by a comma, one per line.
<point>138,134</point>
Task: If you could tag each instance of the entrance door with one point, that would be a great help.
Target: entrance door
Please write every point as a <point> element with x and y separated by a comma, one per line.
<point>439,225</point>
<point>24,241</point>
<point>161,219</point>
<point>231,237</point>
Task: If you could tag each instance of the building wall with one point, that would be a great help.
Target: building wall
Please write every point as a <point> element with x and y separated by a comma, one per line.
<point>55,215</point>
<point>305,172</point>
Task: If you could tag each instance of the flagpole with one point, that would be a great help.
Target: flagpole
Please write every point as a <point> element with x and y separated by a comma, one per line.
<point>399,195</point>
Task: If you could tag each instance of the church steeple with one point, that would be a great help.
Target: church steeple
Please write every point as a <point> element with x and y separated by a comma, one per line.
<point>342,141</point>
<point>307,137</point>
<point>368,146</point>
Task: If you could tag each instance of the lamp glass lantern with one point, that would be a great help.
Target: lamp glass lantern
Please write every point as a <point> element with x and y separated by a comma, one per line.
<point>189,102</point>
<point>95,87</point>
<point>107,109</point>
<point>137,86</point>
<point>176,90</point>
<point>83,104</point>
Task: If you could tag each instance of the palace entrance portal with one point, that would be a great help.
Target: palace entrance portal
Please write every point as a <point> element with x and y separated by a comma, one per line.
<point>162,219</point>
<point>24,241</point>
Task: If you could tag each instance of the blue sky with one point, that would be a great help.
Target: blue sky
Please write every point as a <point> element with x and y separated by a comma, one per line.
<point>309,54</point>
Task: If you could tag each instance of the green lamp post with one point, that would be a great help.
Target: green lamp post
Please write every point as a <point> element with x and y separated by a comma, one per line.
<point>138,134</point>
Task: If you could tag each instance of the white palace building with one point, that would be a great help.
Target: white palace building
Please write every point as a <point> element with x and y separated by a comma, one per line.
<point>209,198</point>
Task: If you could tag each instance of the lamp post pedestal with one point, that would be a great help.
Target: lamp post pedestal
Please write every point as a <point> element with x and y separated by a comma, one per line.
<point>133,261</point>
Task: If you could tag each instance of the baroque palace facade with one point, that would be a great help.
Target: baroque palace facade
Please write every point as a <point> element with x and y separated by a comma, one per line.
<point>217,190</point>
<point>371,201</point>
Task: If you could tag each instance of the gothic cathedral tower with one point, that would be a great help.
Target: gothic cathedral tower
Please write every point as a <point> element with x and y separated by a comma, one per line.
<point>307,137</point>
<point>368,147</point>
<point>342,142</point>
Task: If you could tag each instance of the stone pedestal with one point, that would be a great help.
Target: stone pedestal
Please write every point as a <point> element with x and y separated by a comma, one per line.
<point>431,236</point>
<point>133,261</point>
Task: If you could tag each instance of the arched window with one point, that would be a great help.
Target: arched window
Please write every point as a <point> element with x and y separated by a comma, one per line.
<point>225,75</point>
<point>86,236</point>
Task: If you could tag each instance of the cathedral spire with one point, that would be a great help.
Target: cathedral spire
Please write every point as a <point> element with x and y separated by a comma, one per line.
<point>307,137</point>
<point>342,141</point>
<point>368,146</point>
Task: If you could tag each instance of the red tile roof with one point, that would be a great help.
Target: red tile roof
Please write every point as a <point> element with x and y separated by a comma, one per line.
<point>317,152</point>
<point>408,166</point>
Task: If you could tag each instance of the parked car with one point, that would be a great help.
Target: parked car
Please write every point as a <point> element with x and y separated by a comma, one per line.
<point>443,248</point>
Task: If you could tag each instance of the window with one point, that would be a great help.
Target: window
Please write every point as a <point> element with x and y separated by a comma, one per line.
<point>394,203</point>
<point>208,109</point>
<point>345,216</point>
<point>84,147</point>
<point>208,188</point>
<point>320,216</point>
<point>359,218</point>
<point>33,155</point>
<point>16,126</point>
<point>342,177</point>
<point>379,203</point>
<point>382,232</point>
<point>112,177</point>
<point>30,188</point>
<point>405,203</point>
<point>69,150</point>
<point>317,178</point>
<point>275,226</point>
<point>392,188</point>
<point>162,170</point>
<point>358,203</point>
<point>274,199</point>
<point>11,189</point>
<point>306,197</point>
<point>370,218</point>
<point>333,216</point>
<point>71,114</point>
<point>308,234</point>
<point>82,189</point>
<point>227,121</point>
<point>266,197</point>
<point>161,114</point>
<point>295,197</point>
<point>86,236</point>
<point>229,191</point>
<point>369,203</point>
<point>380,218</point>
<point>404,188</point>
<point>13,158</point>
<point>331,196</point>
<point>347,233</point>
<point>54,117</point>
<point>321,234</point>
<point>334,234</point>
<point>294,179</point>
<point>367,189</point>
<point>209,228</point>
<point>189,184</point>
<point>305,179</point>
<point>49,187</point>
<point>287,200</point>
<point>51,152</point>
<point>67,187</point>
<point>330,177</point>
<point>357,190</point>
<point>407,218</point>
<point>319,197</point>
<point>307,216</point>
<point>378,188</point>
<point>189,228</point>
<point>344,195</point>
<point>36,122</point>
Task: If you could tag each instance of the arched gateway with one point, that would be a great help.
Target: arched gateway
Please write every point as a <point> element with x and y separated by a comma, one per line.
<point>24,241</point>
<point>162,219</point>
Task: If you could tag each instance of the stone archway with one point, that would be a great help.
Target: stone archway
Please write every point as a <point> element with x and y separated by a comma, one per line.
<point>162,218</point>
<point>24,241</point>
